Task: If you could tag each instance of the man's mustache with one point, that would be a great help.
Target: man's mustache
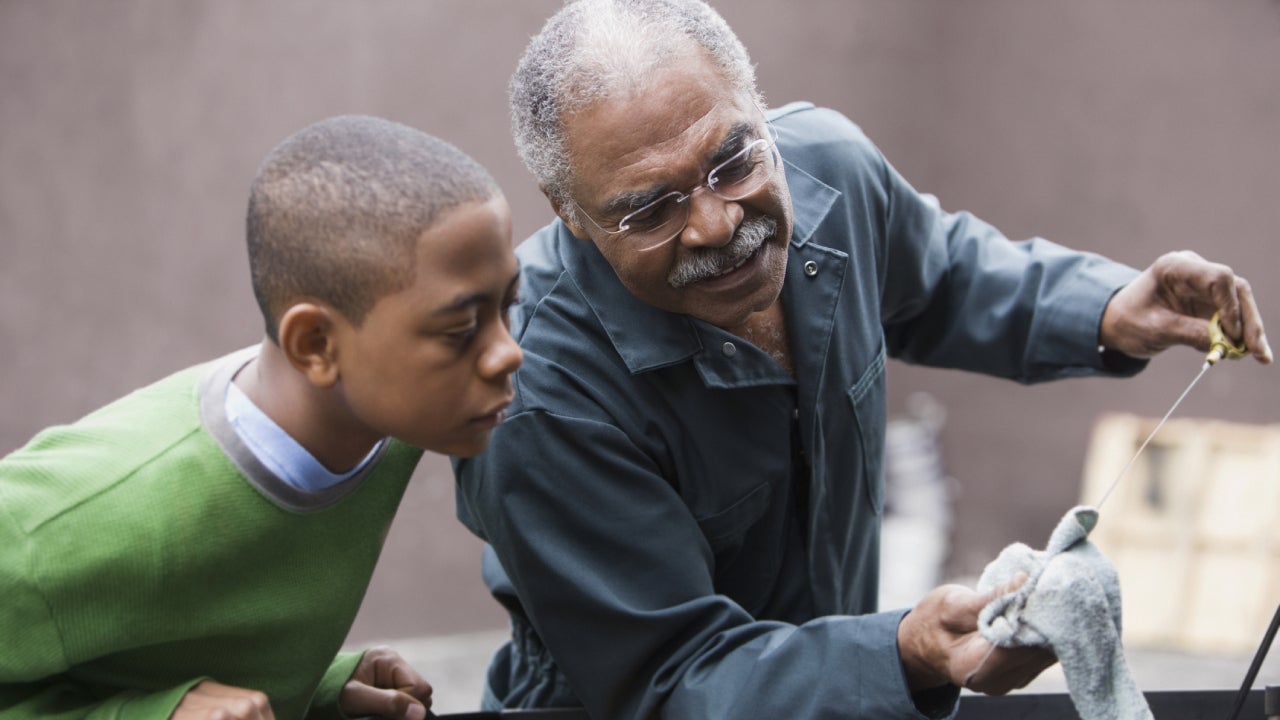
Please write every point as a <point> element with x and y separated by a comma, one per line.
<point>709,262</point>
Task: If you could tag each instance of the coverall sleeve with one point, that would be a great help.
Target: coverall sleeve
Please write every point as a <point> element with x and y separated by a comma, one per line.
<point>616,578</point>
<point>957,293</point>
<point>953,291</point>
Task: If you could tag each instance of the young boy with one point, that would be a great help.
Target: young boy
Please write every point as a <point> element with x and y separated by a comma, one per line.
<point>200,547</point>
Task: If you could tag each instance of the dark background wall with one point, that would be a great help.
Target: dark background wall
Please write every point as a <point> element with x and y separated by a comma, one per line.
<point>130,129</point>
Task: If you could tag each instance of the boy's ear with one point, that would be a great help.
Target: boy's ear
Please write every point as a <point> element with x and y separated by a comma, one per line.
<point>308,340</point>
<point>574,228</point>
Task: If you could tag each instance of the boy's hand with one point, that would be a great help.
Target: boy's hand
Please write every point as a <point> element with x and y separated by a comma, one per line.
<point>214,701</point>
<point>385,685</point>
<point>939,643</point>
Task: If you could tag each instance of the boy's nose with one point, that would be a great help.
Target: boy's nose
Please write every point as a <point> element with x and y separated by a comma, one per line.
<point>503,357</point>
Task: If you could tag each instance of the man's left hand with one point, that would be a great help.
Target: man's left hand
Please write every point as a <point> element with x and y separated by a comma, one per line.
<point>1169,303</point>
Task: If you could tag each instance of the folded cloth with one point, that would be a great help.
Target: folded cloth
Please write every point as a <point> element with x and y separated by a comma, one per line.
<point>1070,603</point>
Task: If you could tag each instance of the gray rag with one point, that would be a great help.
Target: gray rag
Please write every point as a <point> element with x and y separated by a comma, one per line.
<point>1071,603</point>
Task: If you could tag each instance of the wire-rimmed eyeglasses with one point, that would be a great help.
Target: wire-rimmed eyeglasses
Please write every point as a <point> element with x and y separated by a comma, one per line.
<point>657,222</point>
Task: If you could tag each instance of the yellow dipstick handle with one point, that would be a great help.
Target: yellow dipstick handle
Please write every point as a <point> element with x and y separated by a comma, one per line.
<point>1221,346</point>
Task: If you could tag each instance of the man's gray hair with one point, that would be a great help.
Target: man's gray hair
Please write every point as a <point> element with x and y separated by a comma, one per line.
<point>594,49</point>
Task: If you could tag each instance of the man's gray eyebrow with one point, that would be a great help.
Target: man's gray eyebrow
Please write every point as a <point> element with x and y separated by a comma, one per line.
<point>623,203</point>
<point>733,142</point>
<point>626,202</point>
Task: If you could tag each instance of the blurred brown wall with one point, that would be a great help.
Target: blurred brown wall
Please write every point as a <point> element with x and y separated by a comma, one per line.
<point>130,129</point>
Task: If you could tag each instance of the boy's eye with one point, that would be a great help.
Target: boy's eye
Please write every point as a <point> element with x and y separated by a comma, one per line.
<point>463,334</point>
<point>506,311</point>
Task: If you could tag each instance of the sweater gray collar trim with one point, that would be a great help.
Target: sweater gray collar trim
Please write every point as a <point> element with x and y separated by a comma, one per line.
<point>213,415</point>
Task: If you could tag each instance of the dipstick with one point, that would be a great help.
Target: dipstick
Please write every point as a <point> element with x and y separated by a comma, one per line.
<point>1220,346</point>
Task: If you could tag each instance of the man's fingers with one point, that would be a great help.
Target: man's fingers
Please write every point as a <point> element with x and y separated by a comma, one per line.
<point>1169,302</point>
<point>1232,298</point>
<point>976,601</point>
<point>1224,289</point>
<point>1255,336</point>
<point>1018,580</point>
<point>1002,670</point>
<point>361,699</point>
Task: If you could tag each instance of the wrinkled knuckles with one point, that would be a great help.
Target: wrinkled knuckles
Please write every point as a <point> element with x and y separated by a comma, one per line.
<point>1183,256</point>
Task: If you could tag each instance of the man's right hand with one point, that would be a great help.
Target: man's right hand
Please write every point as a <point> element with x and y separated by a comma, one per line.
<point>214,701</point>
<point>939,643</point>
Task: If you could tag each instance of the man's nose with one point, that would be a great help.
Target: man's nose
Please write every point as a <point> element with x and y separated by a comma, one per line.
<point>712,220</point>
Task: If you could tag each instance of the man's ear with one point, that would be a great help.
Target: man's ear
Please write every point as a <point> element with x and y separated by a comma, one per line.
<point>574,228</point>
<point>308,339</point>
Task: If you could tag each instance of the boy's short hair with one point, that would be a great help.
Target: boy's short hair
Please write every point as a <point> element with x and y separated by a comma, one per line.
<point>336,210</point>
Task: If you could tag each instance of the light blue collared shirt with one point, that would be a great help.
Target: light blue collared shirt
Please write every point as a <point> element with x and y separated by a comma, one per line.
<point>279,452</point>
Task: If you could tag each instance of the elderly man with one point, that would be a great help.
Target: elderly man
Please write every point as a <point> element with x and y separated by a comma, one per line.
<point>683,507</point>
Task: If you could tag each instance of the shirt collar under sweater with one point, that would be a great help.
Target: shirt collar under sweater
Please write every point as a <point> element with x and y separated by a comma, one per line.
<point>214,416</point>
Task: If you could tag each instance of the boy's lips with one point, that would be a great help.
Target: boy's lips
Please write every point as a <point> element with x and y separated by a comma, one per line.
<point>494,416</point>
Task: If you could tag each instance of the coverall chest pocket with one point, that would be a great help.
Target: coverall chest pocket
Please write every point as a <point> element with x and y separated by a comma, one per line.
<point>727,527</point>
<point>729,483</point>
<point>867,399</point>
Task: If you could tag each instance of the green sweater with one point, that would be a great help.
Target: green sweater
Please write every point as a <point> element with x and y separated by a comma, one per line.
<point>144,548</point>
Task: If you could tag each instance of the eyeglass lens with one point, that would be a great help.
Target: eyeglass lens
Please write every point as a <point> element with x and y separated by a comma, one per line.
<point>734,179</point>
